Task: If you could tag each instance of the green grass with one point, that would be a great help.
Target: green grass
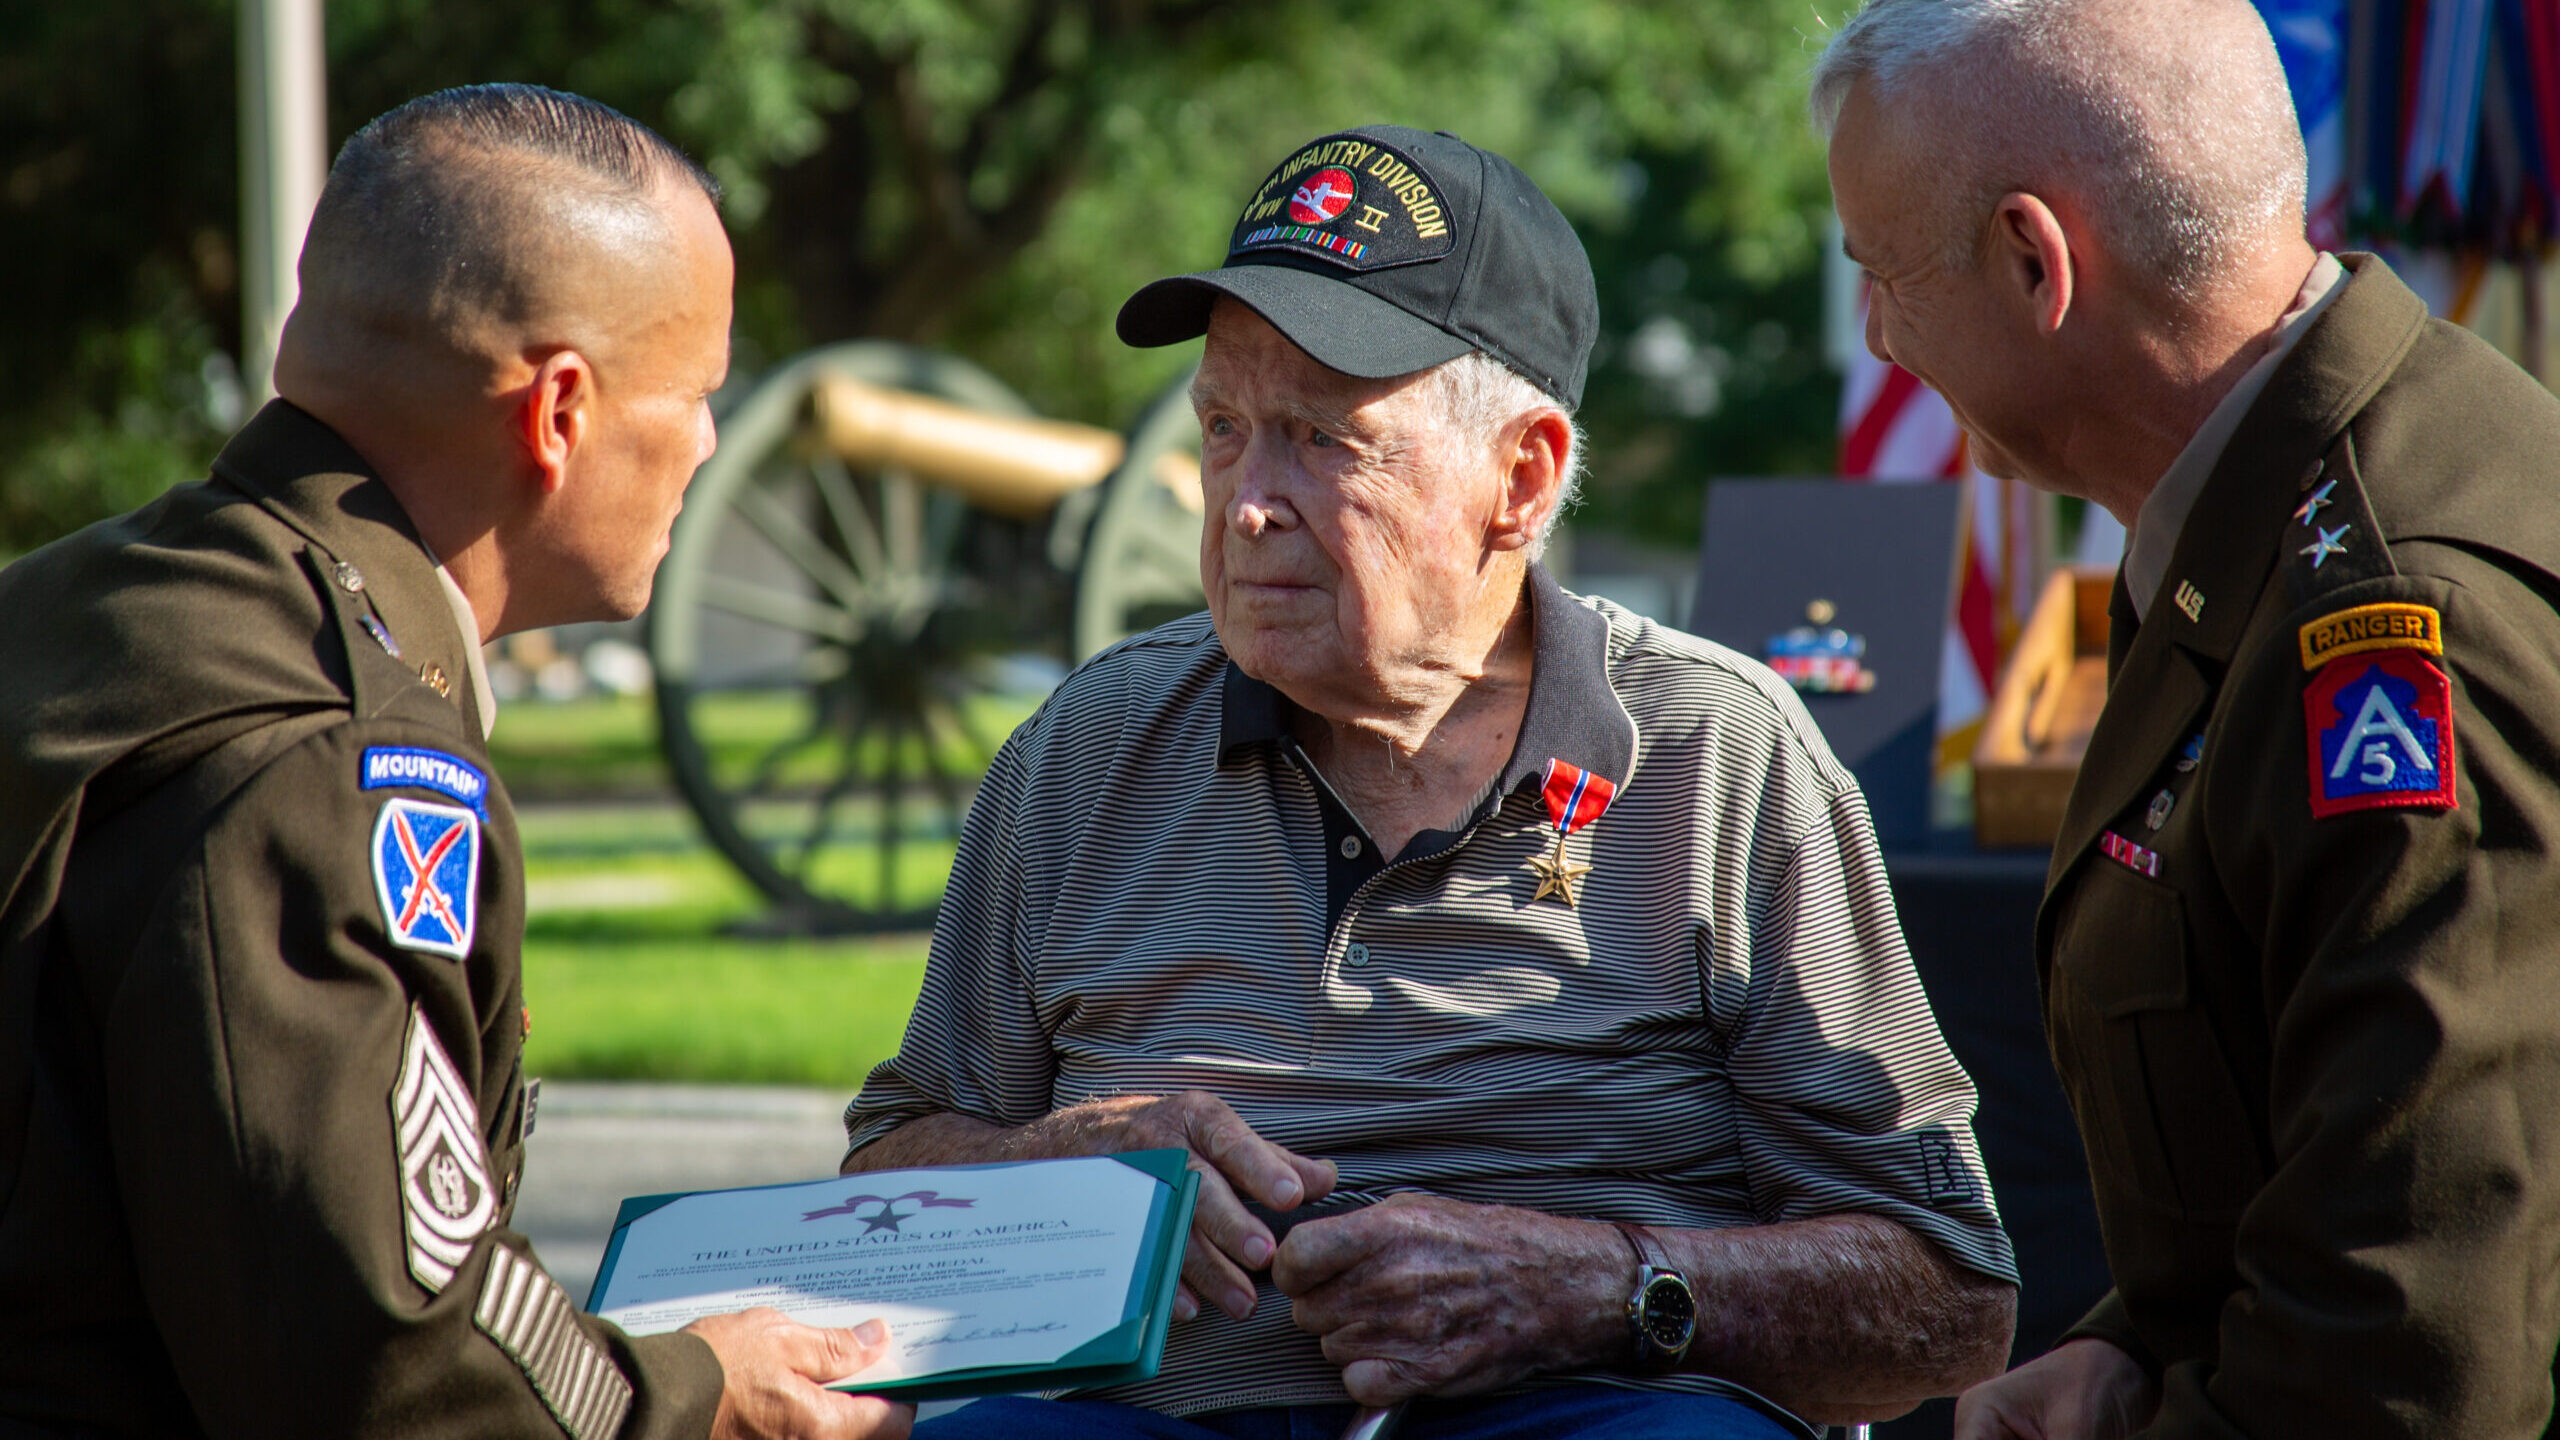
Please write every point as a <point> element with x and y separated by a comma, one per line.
<point>632,972</point>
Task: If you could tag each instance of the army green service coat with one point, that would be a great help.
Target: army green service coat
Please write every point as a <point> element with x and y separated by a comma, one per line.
<point>262,1106</point>
<point>2301,948</point>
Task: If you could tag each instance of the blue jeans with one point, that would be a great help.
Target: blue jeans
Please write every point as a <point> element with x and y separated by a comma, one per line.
<point>1593,1412</point>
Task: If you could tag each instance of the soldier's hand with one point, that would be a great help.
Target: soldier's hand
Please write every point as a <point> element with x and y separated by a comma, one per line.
<point>2084,1390</point>
<point>775,1371</point>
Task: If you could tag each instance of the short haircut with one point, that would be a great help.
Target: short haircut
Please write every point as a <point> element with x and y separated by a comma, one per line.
<point>1478,397</point>
<point>2163,117</point>
<point>437,203</point>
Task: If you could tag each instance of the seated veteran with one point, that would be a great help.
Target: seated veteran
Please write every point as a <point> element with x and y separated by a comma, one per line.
<point>1521,975</point>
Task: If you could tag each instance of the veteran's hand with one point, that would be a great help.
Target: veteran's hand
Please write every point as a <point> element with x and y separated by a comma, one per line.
<point>1226,1241</point>
<point>1421,1295</point>
<point>774,1373</point>
<point>2083,1390</point>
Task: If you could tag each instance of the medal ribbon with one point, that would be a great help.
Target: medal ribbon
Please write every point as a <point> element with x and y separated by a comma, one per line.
<point>1575,797</point>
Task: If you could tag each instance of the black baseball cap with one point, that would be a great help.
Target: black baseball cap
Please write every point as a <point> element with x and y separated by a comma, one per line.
<point>1385,250</point>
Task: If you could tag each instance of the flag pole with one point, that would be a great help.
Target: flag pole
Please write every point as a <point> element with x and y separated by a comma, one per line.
<point>283,159</point>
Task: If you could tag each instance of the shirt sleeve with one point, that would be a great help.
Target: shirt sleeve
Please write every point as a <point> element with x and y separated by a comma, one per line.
<point>296,1084</point>
<point>977,1043</point>
<point>1850,1101</point>
<point>2395,1264</point>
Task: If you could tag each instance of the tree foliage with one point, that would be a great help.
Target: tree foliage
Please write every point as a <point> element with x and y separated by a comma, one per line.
<point>988,175</point>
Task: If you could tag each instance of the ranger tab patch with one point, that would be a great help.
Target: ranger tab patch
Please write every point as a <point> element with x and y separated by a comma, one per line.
<point>422,769</point>
<point>445,1195</point>
<point>426,873</point>
<point>2380,728</point>
<point>1352,201</point>
<point>2364,629</point>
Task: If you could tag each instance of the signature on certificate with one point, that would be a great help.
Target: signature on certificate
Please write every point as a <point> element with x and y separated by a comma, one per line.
<point>985,1332</point>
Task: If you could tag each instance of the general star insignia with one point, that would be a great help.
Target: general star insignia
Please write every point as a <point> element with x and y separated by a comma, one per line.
<point>2311,506</point>
<point>1556,875</point>
<point>2331,542</point>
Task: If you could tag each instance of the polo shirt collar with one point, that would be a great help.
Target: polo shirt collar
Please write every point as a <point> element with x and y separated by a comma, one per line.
<point>1574,715</point>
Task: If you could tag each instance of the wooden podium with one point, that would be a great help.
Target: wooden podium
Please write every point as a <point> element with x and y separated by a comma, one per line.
<point>2041,715</point>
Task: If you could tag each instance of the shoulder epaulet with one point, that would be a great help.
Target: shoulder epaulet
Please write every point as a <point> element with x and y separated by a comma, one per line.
<point>2377,708</point>
<point>2333,541</point>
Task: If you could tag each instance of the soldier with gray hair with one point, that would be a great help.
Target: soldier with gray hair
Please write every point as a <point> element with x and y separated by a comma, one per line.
<point>2295,944</point>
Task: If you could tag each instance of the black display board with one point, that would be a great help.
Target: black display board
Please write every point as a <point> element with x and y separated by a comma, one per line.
<point>1884,558</point>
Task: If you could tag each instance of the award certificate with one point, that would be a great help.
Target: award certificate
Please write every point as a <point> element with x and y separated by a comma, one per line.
<point>993,1278</point>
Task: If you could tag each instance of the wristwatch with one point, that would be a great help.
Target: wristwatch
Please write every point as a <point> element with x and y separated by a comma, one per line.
<point>1663,1311</point>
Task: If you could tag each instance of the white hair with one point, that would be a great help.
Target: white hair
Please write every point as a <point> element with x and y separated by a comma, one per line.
<point>1479,397</point>
<point>2169,120</point>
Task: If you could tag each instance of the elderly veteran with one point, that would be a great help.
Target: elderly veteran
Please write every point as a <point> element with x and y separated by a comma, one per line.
<point>2296,951</point>
<point>262,1097</point>
<point>1403,875</point>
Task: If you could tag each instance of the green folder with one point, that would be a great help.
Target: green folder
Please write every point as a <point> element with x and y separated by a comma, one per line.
<point>1128,1352</point>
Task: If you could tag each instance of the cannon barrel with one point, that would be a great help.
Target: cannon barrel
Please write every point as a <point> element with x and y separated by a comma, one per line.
<point>1005,464</point>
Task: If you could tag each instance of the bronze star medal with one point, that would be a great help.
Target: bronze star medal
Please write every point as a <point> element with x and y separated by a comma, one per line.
<point>1575,797</point>
<point>1556,875</point>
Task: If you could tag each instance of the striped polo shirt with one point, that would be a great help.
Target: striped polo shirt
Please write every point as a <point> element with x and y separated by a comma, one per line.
<point>1154,893</point>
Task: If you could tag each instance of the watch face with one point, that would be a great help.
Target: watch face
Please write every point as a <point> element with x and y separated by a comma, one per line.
<point>1669,1313</point>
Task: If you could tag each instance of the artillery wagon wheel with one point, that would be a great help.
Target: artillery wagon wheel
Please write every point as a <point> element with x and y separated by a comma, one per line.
<point>1141,561</point>
<point>826,636</point>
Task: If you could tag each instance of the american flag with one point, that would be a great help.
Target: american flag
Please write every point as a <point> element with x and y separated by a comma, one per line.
<point>1895,429</point>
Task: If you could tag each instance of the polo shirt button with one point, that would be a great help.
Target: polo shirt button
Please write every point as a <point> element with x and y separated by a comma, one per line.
<point>1358,954</point>
<point>1350,847</point>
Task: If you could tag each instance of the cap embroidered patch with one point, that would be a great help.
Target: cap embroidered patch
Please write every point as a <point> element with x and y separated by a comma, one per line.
<point>426,873</point>
<point>447,775</point>
<point>444,1173</point>
<point>1351,201</point>
<point>2381,734</point>
<point>2363,629</point>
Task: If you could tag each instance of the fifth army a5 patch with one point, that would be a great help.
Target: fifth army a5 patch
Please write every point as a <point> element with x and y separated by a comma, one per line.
<point>2377,712</point>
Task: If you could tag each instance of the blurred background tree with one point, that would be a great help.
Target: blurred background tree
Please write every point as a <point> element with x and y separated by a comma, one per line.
<point>990,176</point>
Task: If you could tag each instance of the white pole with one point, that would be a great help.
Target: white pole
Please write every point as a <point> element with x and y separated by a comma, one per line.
<point>283,159</point>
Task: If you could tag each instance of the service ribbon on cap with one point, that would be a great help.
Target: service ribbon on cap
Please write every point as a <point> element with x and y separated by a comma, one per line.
<point>1350,201</point>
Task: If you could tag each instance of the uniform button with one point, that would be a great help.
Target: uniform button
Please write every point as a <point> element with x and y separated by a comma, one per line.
<point>350,578</point>
<point>1350,847</point>
<point>1358,954</point>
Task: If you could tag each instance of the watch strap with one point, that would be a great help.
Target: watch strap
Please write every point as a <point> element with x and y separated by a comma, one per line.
<point>1649,1251</point>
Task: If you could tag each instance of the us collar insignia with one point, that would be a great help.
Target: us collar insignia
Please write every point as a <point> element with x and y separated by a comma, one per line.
<point>1575,797</point>
<point>1819,658</point>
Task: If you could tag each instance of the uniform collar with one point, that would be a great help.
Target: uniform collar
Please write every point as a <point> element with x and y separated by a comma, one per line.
<point>1573,715</point>
<point>2155,529</point>
<point>2162,679</point>
<point>309,477</point>
<point>2230,541</point>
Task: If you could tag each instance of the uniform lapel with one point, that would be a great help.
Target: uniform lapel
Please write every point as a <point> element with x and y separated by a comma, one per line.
<point>2163,682</point>
<point>314,481</point>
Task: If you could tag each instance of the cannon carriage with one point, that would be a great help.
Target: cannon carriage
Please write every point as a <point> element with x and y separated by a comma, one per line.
<point>868,577</point>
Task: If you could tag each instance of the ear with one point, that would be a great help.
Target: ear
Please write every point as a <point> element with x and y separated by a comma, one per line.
<point>2032,260</point>
<point>553,415</point>
<point>1533,480</point>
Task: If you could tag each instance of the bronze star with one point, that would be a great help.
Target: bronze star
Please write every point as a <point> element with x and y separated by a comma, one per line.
<point>1556,875</point>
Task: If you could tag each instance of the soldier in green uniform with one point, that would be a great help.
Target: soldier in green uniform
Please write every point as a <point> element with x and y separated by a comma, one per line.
<point>2297,949</point>
<point>262,1107</point>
